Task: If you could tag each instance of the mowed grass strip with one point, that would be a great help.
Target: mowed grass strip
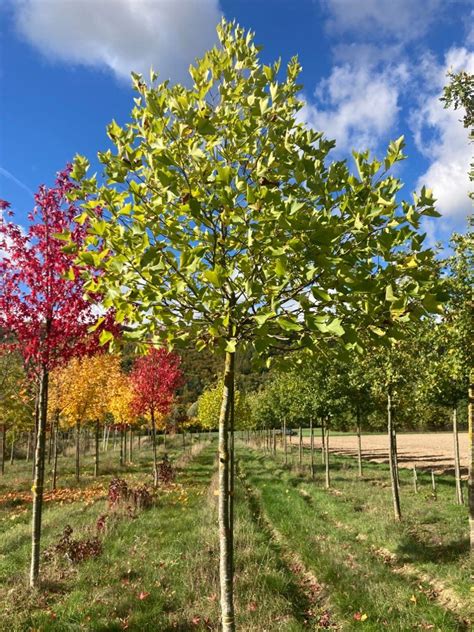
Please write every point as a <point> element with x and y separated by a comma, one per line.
<point>336,533</point>
<point>157,571</point>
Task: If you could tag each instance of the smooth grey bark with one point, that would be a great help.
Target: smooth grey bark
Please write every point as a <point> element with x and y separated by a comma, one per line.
<point>225,528</point>
<point>3,450</point>
<point>391,449</point>
<point>311,447</point>
<point>12,449</point>
<point>323,445</point>
<point>121,459</point>
<point>300,456</point>
<point>28,446</point>
<point>130,447</point>
<point>50,443</point>
<point>457,464</point>
<point>326,456</point>
<point>155,457</point>
<point>415,480</point>
<point>433,484</point>
<point>285,443</point>
<point>231,476</point>
<point>359,446</point>
<point>96,448</point>
<point>38,479</point>
<point>55,455</point>
<point>78,450</point>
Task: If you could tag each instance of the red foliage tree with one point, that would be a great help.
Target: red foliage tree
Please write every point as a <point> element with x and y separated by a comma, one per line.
<point>155,378</point>
<point>43,308</point>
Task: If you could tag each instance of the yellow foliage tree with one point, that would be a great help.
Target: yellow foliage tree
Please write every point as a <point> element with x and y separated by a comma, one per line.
<point>81,393</point>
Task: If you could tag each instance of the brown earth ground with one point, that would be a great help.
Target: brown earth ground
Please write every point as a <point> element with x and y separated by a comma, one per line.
<point>425,450</point>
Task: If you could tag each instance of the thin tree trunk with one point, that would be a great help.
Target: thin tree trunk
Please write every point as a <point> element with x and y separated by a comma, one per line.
<point>130,446</point>
<point>121,459</point>
<point>35,435</point>
<point>155,458</point>
<point>78,450</point>
<point>231,478</point>
<point>12,449</point>
<point>326,456</point>
<point>311,447</point>
<point>96,456</point>
<point>359,445</point>
<point>301,447</point>
<point>114,444</point>
<point>38,480</point>
<point>457,466</point>
<point>125,454</point>
<point>225,537</point>
<point>50,443</point>
<point>55,455</point>
<point>415,480</point>
<point>323,445</point>
<point>470,417</point>
<point>395,455</point>
<point>285,443</point>
<point>3,450</point>
<point>28,446</point>
<point>393,473</point>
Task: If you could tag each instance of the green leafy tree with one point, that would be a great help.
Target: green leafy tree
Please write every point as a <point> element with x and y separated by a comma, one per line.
<point>225,225</point>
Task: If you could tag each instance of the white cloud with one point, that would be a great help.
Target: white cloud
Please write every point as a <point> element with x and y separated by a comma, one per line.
<point>357,106</point>
<point>122,35</point>
<point>402,20</point>
<point>440,136</point>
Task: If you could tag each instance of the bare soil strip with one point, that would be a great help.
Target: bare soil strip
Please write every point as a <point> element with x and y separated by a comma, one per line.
<point>431,451</point>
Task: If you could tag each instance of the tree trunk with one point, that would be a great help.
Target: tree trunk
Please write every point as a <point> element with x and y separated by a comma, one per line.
<point>470,417</point>
<point>285,442</point>
<point>393,472</point>
<point>231,477</point>
<point>122,460</point>
<point>3,450</point>
<point>155,458</point>
<point>300,456</point>
<point>38,480</point>
<point>96,456</point>
<point>55,455</point>
<point>457,466</point>
<point>323,444</point>
<point>311,446</point>
<point>35,436</point>
<point>130,446</point>
<point>12,449</point>
<point>359,445</point>
<point>395,454</point>
<point>225,528</point>
<point>28,446</point>
<point>50,443</point>
<point>125,455</point>
<point>326,456</point>
<point>78,450</point>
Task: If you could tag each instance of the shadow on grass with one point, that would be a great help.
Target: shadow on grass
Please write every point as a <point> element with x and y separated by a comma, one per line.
<point>413,550</point>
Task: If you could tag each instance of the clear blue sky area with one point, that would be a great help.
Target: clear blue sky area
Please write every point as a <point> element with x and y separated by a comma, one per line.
<point>372,70</point>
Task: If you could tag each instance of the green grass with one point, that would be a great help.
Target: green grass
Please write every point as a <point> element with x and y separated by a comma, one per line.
<point>331,562</point>
<point>345,536</point>
<point>169,553</point>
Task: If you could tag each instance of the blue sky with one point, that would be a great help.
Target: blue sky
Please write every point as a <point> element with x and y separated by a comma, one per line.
<point>372,70</point>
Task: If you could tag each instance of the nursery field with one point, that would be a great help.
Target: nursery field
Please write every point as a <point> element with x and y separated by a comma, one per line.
<point>425,450</point>
<point>306,557</point>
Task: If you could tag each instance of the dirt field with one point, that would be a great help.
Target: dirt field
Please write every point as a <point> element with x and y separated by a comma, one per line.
<point>425,450</point>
